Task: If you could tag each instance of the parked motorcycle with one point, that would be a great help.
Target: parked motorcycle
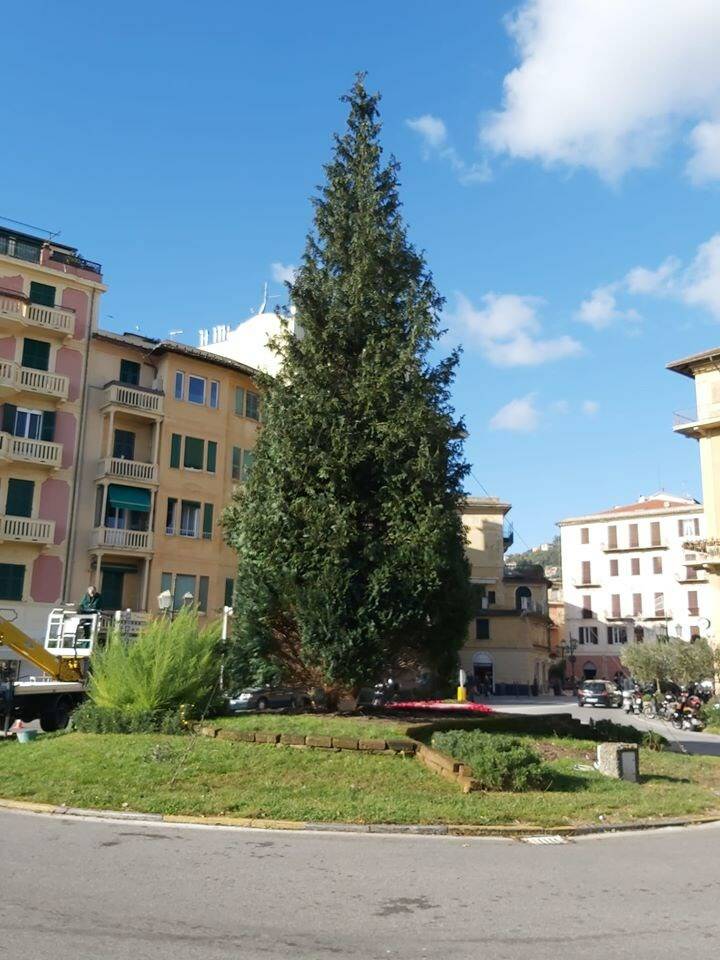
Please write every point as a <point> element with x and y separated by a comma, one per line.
<point>686,715</point>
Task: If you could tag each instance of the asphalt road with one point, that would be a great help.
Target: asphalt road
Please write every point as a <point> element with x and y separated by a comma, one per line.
<point>115,891</point>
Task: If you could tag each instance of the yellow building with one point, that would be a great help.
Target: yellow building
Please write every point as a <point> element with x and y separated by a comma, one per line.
<point>508,645</point>
<point>49,298</point>
<point>169,432</point>
<point>703,424</point>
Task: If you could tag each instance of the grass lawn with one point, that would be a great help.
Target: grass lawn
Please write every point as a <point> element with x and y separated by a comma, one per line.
<point>247,780</point>
<point>303,723</point>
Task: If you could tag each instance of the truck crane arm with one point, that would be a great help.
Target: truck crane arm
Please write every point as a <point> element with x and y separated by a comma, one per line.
<point>65,669</point>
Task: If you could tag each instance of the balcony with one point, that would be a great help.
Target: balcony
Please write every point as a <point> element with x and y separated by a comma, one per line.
<point>25,450</point>
<point>127,541</point>
<point>707,552</point>
<point>697,423</point>
<point>17,379</point>
<point>533,606</point>
<point>682,575</point>
<point>26,530</point>
<point>508,535</point>
<point>657,615</point>
<point>49,319</point>
<point>116,468</point>
<point>586,584</point>
<point>138,400</point>
<point>628,548</point>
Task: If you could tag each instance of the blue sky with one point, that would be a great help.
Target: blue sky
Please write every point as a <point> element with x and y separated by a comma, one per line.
<point>548,148</point>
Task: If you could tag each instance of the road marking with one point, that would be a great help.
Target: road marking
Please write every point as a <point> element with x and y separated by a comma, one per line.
<point>545,839</point>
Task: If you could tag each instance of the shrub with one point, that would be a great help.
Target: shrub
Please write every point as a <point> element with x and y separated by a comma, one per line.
<point>652,740</point>
<point>609,732</point>
<point>498,762</point>
<point>143,684</point>
<point>710,713</point>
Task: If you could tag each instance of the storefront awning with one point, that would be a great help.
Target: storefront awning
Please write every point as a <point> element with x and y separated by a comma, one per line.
<point>129,498</point>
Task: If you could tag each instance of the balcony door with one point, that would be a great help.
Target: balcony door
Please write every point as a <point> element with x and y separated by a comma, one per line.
<point>112,589</point>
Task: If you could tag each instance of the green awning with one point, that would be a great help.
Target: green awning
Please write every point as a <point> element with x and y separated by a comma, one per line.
<point>129,498</point>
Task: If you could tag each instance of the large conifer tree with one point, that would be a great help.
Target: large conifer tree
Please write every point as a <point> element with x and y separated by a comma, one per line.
<point>349,536</point>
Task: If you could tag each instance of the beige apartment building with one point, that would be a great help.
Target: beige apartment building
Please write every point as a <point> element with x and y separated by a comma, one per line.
<point>703,424</point>
<point>49,297</point>
<point>508,645</point>
<point>169,432</point>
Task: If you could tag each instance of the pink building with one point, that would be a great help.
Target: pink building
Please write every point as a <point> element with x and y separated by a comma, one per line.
<point>49,298</point>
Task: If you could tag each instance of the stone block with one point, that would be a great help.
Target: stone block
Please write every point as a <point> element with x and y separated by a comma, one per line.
<point>224,734</point>
<point>619,760</point>
<point>262,737</point>
<point>248,736</point>
<point>371,745</point>
<point>402,745</point>
<point>293,739</point>
<point>318,741</point>
<point>345,743</point>
<point>206,731</point>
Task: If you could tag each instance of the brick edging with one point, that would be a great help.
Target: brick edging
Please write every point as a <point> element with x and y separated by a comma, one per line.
<point>514,831</point>
<point>405,745</point>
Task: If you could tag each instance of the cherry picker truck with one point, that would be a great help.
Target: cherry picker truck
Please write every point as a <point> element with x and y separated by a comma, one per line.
<point>63,659</point>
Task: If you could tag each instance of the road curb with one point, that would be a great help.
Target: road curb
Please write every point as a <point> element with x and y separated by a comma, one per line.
<point>508,831</point>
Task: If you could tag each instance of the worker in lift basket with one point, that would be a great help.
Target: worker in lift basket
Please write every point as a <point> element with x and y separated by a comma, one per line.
<point>90,603</point>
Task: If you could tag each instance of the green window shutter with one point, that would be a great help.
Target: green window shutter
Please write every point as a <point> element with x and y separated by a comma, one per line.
<point>194,453</point>
<point>240,401</point>
<point>229,590</point>
<point>8,418</point>
<point>202,598</point>
<point>211,456</point>
<point>236,464</point>
<point>252,407</point>
<point>207,521</point>
<point>130,373</point>
<point>36,354</point>
<point>47,428</point>
<point>175,442</point>
<point>165,582</point>
<point>42,293</point>
<point>19,498</point>
<point>248,458</point>
<point>12,581</point>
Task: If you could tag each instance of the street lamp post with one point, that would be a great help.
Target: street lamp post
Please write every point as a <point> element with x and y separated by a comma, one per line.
<point>568,647</point>
<point>165,603</point>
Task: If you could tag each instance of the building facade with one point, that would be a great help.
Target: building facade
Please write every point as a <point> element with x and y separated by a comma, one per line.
<point>49,298</point>
<point>169,433</point>
<point>703,424</point>
<point>628,578</point>
<point>508,644</point>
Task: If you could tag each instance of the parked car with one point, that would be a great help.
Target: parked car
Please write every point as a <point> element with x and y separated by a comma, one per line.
<point>599,693</point>
<point>268,698</point>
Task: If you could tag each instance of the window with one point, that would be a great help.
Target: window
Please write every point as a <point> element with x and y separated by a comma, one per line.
<point>248,457</point>
<point>184,587</point>
<point>659,605</point>
<point>584,535</point>
<point>236,467</point>
<point>693,608</point>
<point>657,565</point>
<point>252,406</point>
<point>586,576</point>
<point>523,596</point>
<point>211,463</point>
<point>229,590</point>
<point>637,604</point>
<point>588,635</point>
<point>124,445</point>
<point>165,582</point>
<point>196,389</point>
<point>639,634</point>
<point>613,568</point>
<point>28,423</point>
<point>587,612</point>
<point>491,598</point>
<point>202,596</point>
<point>655,533</point>
<point>617,635</point>
<point>635,566</point>
<point>179,384</point>
<point>633,535</point>
<point>615,605</point>
<point>36,354</point>
<point>42,293</point>
<point>19,502</point>
<point>612,537</point>
<point>694,634</point>
<point>175,442</point>
<point>691,573</point>
<point>689,528</point>
<point>482,629</point>
<point>12,581</point>
<point>214,394</point>
<point>130,373</point>
<point>189,518</point>
<point>170,516</point>
<point>240,401</point>
<point>194,453</point>
<point>207,521</point>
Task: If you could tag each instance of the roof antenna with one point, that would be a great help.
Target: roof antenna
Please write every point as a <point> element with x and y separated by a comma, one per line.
<point>174,333</point>
<point>262,306</point>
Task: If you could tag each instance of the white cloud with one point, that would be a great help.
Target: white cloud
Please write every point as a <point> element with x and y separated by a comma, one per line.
<point>508,331</point>
<point>590,407</point>
<point>560,406</point>
<point>653,282</point>
<point>701,281</point>
<point>433,133</point>
<point>283,273</point>
<point>610,84</point>
<point>520,415</point>
<point>601,308</point>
